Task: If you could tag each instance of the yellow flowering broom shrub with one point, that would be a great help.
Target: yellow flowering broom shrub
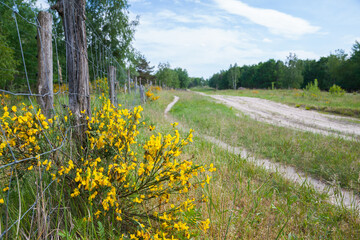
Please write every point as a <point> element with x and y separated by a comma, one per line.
<point>139,189</point>
<point>150,93</point>
<point>101,85</point>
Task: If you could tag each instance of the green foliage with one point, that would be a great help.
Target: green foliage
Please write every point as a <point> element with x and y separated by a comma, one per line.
<point>313,87</point>
<point>292,77</point>
<point>337,90</point>
<point>337,68</point>
<point>8,64</point>
<point>183,77</point>
<point>11,56</point>
<point>167,76</point>
<point>234,72</point>
<point>144,69</point>
<point>196,81</point>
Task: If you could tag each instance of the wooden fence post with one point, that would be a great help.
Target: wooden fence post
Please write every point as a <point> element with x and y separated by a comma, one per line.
<point>73,15</point>
<point>142,94</point>
<point>45,63</point>
<point>111,83</point>
<point>129,80</point>
<point>135,85</point>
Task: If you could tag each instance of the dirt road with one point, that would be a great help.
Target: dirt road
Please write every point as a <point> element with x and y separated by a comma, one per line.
<point>286,116</point>
<point>337,196</point>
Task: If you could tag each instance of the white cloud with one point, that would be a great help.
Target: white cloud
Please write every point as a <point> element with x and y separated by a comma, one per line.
<point>267,40</point>
<point>277,22</point>
<point>170,15</point>
<point>136,1</point>
<point>202,51</point>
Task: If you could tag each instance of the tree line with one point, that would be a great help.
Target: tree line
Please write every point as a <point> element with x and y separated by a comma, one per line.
<point>338,68</point>
<point>176,78</point>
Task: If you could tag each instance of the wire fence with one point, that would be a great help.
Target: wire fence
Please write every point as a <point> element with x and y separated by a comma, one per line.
<point>30,142</point>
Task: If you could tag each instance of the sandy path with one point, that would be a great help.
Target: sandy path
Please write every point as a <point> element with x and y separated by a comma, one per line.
<point>337,196</point>
<point>286,116</point>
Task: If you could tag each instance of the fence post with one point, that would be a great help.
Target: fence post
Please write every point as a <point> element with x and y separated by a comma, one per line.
<point>142,94</point>
<point>73,15</point>
<point>45,63</point>
<point>129,80</point>
<point>111,83</point>
<point>135,85</point>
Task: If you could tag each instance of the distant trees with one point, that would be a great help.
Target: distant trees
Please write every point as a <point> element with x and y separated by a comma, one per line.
<point>176,78</point>
<point>337,68</point>
<point>183,77</point>
<point>292,75</point>
<point>144,69</point>
<point>351,70</point>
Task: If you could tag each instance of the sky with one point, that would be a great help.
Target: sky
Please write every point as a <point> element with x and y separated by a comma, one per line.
<point>206,36</point>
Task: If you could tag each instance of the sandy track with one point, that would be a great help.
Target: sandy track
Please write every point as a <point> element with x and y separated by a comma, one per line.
<point>339,197</point>
<point>286,116</point>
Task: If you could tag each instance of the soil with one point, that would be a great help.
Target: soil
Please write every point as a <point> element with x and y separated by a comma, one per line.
<point>291,117</point>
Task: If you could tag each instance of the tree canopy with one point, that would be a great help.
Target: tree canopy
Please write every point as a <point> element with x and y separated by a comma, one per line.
<point>337,68</point>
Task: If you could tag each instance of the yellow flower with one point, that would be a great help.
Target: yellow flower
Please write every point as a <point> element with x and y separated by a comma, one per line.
<point>1,200</point>
<point>14,109</point>
<point>212,169</point>
<point>30,168</point>
<point>208,179</point>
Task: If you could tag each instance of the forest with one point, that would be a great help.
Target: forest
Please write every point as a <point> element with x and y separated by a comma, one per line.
<point>339,68</point>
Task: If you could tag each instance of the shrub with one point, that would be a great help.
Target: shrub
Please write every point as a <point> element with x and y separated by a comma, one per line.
<point>137,187</point>
<point>150,93</point>
<point>337,90</point>
<point>312,87</point>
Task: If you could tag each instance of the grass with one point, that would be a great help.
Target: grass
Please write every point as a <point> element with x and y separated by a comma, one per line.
<point>246,202</point>
<point>329,158</point>
<point>347,105</point>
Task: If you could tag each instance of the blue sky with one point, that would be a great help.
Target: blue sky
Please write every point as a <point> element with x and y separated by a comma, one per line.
<point>205,36</point>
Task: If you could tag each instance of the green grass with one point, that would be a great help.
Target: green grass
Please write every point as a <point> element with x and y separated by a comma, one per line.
<point>245,201</point>
<point>347,105</point>
<point>325,157</point>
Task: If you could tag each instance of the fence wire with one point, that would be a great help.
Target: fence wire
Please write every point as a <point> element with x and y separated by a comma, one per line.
<point>29,206</point>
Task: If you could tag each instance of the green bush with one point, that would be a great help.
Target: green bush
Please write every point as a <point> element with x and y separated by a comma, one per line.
<point>337,90</point>
<point>313,87</point>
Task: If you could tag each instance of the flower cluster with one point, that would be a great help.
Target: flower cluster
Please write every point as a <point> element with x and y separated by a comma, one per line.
<point>141,183</point>
<point>101,85</point>
<point>61,88</point>
<point>150,93</point>
<point>23,132</point>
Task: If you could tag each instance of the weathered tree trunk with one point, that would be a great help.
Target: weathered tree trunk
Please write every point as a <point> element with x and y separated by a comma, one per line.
<point>45,63</point>
<point>111,82</point>
<point>72,13</point>
<point>135,85</point>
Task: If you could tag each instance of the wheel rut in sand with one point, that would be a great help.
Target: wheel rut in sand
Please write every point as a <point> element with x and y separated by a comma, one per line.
<point>283,115</point>
<point>339,197</point>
